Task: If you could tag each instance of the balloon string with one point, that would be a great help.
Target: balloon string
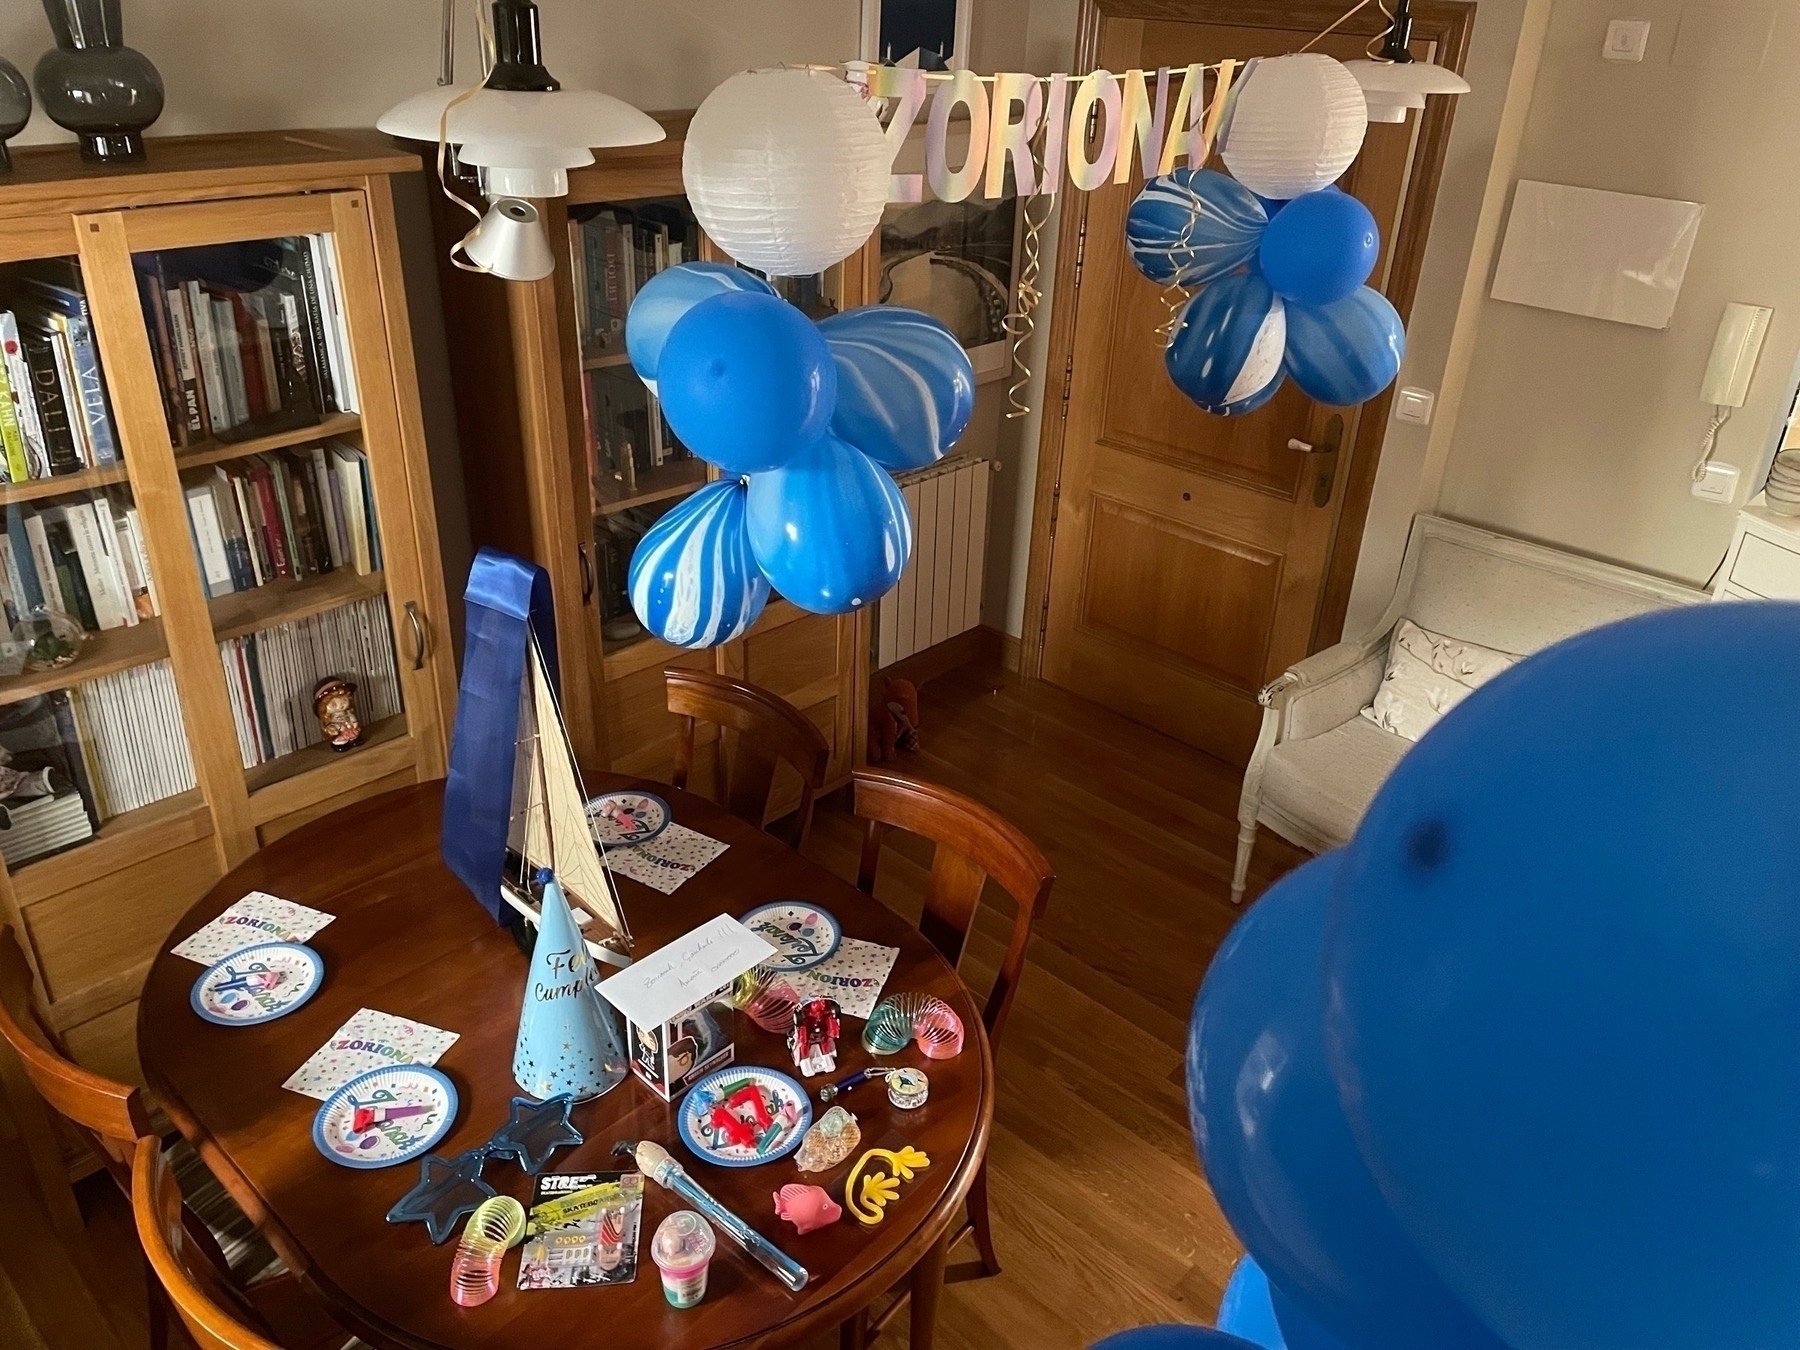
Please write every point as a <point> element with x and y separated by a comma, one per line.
<point>1174,295</point>
<point>1021,323</point>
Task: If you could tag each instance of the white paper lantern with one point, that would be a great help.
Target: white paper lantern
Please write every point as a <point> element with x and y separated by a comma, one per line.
<point>787,170</point>
<point>1296,123</point>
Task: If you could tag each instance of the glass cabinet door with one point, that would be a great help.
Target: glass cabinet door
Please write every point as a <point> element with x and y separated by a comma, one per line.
<point>260,420</point>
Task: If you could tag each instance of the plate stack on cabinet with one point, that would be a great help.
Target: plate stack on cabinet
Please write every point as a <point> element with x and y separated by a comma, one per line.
<point>215,494</point>
<point>569,460</point>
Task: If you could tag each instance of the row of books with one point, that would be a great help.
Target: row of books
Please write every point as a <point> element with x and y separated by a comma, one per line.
<point>83,555</point>
<point>283,515</point>
<point>615,251</point>
<point>55,417</point>
<point>249,338</point>
<point>271,676</point>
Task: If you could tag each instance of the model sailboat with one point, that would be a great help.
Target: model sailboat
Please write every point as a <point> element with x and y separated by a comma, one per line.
<point>549,826</point>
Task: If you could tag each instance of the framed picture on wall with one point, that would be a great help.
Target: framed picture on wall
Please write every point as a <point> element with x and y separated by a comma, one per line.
<point>954,260</point>
<point>937,31</point>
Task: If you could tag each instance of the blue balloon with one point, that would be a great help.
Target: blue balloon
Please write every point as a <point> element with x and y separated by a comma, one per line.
<point>745,380</point>
<point>1227,350</point>
<point>1320,249</point>
<point>1563,1017</point>
<point>1347,352</point>
<point>693,580</point>
<point>830,530</point>
<point>1169,1336</point>
<point>1246,1309</point>
<point>1277,1148</point>
<point>1192,225</point>
<point>1298,1330</point>
<point>906,387</point>
<point>668,295</point>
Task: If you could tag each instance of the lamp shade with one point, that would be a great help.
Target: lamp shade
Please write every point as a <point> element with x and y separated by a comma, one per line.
<point>1384,107</point>
<point>583,118</point>
<point>1406,77</point>
<point>510,242</point>
<point>786,170</point>
<point>1295,124</point>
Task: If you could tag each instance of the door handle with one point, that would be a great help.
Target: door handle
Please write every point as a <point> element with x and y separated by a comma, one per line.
<point>418,634</point>
<point>1325,470</point>
<point>1305,447</point>
<point>587,573</point>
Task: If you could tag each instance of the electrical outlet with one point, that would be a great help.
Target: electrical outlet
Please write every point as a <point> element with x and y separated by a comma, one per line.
<point>1717,483</point>
<point>1414,406</point>
<point>1626,39</point>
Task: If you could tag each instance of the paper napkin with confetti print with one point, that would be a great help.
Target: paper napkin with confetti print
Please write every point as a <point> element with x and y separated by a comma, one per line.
<point>854,976</point>
<point>258,917</point>
<point>666,861</point>
<point>369,1040</point>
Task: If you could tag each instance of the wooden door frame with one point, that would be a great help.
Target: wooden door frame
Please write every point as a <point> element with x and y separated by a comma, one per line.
<point>1448,24</point>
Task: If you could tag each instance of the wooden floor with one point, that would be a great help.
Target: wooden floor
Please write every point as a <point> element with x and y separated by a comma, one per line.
<point>1101,1216</point>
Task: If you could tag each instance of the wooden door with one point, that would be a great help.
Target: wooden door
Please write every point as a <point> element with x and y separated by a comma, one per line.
<point>1189,552</point>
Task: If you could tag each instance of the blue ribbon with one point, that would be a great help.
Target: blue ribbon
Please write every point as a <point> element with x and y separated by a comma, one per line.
<point>507,600</point>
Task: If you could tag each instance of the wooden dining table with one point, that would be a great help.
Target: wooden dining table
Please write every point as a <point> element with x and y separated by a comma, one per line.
<point>409,939</point>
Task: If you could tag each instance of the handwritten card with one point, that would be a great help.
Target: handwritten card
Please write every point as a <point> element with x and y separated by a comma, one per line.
<point>654,989</point>
<point>369,1040</point>
<point>667,860</point>
<point>258,917</point>
<point>854,976</point>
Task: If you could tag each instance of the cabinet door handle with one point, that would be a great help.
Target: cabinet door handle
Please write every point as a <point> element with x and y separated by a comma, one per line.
<point>587,573</point>
<point>418,634</point>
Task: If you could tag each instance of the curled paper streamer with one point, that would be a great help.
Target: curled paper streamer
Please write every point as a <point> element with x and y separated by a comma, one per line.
<point>495,1226</point>
<point>1175,297</point>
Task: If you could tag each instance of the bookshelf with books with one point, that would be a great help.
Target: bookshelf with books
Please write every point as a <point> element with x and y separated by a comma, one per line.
<point>214,494</point>
<point>577,460</point>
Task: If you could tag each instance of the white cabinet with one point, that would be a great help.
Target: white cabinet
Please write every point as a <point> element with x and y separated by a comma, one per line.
<point>1764,560</point>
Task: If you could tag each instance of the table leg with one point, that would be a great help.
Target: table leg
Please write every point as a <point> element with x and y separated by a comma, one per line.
<point>927,1284</point>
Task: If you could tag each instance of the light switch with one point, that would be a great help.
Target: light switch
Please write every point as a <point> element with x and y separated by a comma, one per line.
<point>1414,406</point>
<point>1626,39</point>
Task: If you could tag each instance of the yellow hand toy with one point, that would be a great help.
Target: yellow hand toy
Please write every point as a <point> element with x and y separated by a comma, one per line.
<point>870,1204</point>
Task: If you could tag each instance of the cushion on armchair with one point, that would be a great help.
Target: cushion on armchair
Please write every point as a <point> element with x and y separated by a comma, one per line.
<point>1316,790</point>
<point>1427,675</point>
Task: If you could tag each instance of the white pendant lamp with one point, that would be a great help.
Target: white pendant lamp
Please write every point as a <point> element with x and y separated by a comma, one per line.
<point>1394,81</point>
<point>523,131</point>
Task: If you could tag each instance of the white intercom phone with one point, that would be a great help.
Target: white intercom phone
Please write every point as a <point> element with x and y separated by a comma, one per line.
<point>1726,385</point>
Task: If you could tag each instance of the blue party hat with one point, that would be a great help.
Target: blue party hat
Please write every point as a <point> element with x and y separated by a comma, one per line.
<point>570,1039</point>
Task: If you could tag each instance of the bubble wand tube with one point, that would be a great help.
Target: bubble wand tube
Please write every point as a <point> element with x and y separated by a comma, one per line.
<point>654,1161</point>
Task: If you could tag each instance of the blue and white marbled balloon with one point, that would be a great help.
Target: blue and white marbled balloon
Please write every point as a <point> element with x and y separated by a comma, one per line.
<point>1227,351</point>
<point>829,528</point>
<point>1227,222</point>
<point>668,295</point>
<point>906,387</point>
<point>1348,351</point>
<point>693,580</point>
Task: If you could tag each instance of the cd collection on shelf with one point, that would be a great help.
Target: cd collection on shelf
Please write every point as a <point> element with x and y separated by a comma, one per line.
<point>249,338</point>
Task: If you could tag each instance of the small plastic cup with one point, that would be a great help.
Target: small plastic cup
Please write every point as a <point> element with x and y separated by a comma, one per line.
<point>683,1249</point>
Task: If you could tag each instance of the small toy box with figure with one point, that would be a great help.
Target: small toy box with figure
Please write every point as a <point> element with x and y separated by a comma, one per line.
<point>676,1002</point>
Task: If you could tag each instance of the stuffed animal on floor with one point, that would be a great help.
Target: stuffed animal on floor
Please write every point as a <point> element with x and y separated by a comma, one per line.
<point>893,721</point>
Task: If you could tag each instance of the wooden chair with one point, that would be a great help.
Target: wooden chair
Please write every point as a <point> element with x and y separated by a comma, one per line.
<point>769,731</point>
<point>210,1310</point>
<point>973,843</point>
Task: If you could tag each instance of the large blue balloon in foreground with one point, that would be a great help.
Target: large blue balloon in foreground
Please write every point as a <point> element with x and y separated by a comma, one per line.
<point>1565,1000</point>
<point>830,530</point>
<point>1276,1147</point>
<point>1193,225</point>
<point>693,580</point>
<point>666,297</point>
<point>1226,355</point>
<point>1346,352</point>
<point>1264,1316</point>
<point>746,381</point>
<point>905,385</point>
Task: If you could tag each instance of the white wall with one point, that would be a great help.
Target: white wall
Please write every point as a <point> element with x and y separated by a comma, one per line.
<point>246,65</point>
<point>1581,432</point>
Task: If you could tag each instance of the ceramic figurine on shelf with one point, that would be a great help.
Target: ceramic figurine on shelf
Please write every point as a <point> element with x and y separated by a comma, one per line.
<point>334,704</point>
<point>815,1036</point>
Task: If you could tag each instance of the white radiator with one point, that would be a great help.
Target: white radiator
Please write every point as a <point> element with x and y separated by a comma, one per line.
<point>939,595</point>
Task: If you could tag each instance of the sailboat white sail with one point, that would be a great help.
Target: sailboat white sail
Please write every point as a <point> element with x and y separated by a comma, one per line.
<point>549,825</point>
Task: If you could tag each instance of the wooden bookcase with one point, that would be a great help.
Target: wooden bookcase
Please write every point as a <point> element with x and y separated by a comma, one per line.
<point>91,917</point>
<point>520,361</point>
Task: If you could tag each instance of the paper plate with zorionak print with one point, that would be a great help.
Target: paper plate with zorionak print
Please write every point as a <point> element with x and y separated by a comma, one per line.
<point>386,1116</point>
<point>258,984</point>
<point>741,1115</point>
<point>803,935</point>
<point>621,818</point>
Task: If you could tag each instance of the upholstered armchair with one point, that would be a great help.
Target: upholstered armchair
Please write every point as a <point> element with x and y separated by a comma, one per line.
<point>1318,764</point>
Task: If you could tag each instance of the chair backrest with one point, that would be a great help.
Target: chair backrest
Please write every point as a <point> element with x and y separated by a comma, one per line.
<point>1512,594</point>
<point>207,1307</point>
<point>768,731</point>
<point>974,843</point>
<point>112,1115</point>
